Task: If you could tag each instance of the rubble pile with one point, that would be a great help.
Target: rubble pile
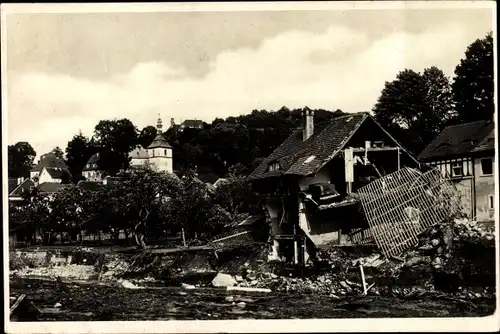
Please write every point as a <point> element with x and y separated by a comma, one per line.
<point>441,262</point>
<point>457,253</point>
<point>114,268</point>
<point>73,271</point>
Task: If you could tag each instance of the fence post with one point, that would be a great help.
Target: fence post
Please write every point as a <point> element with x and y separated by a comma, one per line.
<point>183,237</point>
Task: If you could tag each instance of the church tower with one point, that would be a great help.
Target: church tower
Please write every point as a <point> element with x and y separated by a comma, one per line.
<point>160,152</point>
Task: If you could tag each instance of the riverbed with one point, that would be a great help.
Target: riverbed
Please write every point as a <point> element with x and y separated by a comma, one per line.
<point>93,302</point>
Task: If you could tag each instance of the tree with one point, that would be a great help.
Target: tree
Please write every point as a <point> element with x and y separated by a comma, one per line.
<point>147,135</point>
<point>20,159</point>
<point>473,86</point>
<point>415,107</point>
<point>58,152</point>
<point>115,139</point>
<point>78,152</point>
<point>140,197</point>
<point>37,213</point>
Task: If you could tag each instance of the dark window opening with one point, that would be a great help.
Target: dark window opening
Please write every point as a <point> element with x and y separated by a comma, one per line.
<point>487,166</point>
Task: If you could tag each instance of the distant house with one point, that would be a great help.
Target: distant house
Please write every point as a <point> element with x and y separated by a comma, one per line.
<point>307,182</point>
<point>190,124</point>
<point>465,154</point>
<point>157,155</point>
<point>23,186</point>
<point>50,169</point>
<point>92,171</point>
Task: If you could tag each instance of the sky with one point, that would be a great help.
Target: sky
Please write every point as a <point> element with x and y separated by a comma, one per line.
<point>67,71</point>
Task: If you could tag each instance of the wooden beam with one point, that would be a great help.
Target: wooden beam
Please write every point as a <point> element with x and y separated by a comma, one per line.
<point>17,303</point>
<point>375,149</point>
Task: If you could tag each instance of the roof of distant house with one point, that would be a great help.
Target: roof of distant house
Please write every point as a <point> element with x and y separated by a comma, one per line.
<point>12,184</point>
<point>192,123</point>
<point>208,177</point>
<point>89,185</point>
<point>138,153</point>
<point>299,157</point>
<point>51,187</point>
<point>112,180</point>
<point>462,139</point>
<point>159,142</point>
<point>58,173</point>
<point>49,160</point>
<point>26,185</point>
<point>92,163</point>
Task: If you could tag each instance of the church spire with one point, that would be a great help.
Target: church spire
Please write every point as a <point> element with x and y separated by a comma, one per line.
<point>159,125</point>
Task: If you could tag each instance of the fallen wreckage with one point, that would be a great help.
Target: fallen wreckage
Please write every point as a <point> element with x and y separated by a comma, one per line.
<point>406,219</point>
<point>388,213</point>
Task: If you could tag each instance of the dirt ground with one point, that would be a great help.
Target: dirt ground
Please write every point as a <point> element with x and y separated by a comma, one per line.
<point>81,302</point>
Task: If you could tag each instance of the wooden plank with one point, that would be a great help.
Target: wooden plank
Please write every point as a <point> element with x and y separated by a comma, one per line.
<point>375,149</point>
<point>17,303</point>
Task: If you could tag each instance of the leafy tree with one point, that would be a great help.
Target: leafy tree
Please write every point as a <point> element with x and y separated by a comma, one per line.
<point>78,152</point>
<point>58,152</point>
<point>415,107</point>
<point>20,159</point>
<point>37,213</point>
<point>115,139</point>
<point>473,86</point>
<point>147,135</point>
<point>139,198</point>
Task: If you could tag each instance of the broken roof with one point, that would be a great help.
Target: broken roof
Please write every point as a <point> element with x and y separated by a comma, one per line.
<point>457,140</point>
<point>299,157</point>
<point>49,160</point>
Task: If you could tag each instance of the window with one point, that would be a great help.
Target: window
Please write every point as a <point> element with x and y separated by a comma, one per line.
<point>491,202</point>
<point>487,166</point>
<point>274,166</point>
<point>457,168</point>
<point>165,153</point>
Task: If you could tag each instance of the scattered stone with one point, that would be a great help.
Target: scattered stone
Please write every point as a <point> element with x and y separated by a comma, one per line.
<point>128,285</point>
<point>346,286</point>
<point>434,242</point>
<point>229,299</point>
<point>238,278</point>
<point>223,280</point>
<point>187,286</point>
<point>242,304</point>
<point>57,305</point>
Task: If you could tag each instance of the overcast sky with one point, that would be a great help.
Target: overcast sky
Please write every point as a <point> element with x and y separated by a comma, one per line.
<point>66,72</point>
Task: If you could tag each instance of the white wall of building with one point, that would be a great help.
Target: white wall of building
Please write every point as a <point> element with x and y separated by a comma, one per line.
<point>45,177</point>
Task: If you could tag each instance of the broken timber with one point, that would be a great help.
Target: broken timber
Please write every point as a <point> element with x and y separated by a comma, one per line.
<point>18,302</point>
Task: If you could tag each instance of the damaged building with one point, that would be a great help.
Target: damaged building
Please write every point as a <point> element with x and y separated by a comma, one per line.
<point>309,182</point>
<point>465,154</point>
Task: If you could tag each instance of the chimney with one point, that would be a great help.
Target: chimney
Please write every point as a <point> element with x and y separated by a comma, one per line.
<point>172,121</point>
<point>309,123</point>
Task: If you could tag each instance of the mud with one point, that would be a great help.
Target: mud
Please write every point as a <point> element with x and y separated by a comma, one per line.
<point>107,303</point>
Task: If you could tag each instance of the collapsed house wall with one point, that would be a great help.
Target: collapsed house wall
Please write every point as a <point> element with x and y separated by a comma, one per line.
<point>401,205</point>
<point>465,194</point>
